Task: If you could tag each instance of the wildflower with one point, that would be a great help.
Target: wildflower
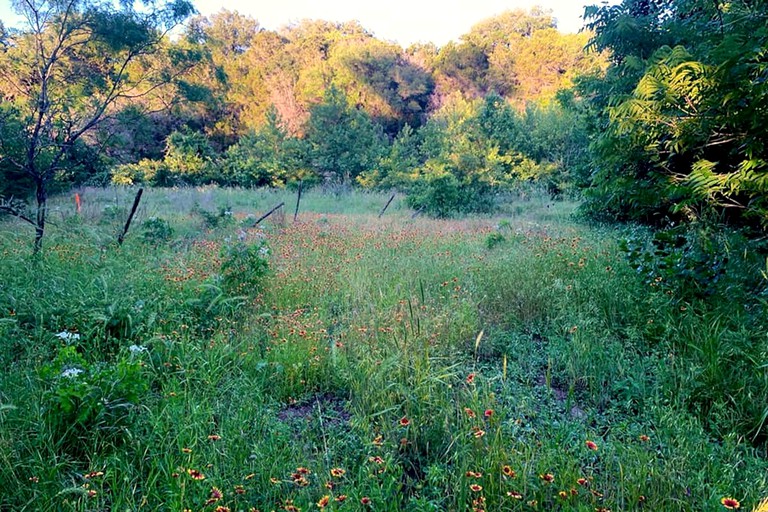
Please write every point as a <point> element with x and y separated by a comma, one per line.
<point>730,503</point>
<point>137,349</point>
<point>249,476</point>
<point>195,474</point>
<point>239,489</point>
<point>323,501</point>
<point>214,437</point>
<point>404,421</point>
<point>533,503</point>
<point>274,480</point>
<point>71,373</point>
<point>475,488</point>
<point>582,481</point>
<point>93,474</point>
<point>563,495</point>
<point>34,479</point>
<point>186,450</point>
<point>644,438</point>
<point>337,472</point>
<point>92,493</point>
<point>68,336</point>
<point>221,508</point>
<point>341,497</point>
<point>472,474</point>
<point>479,433</point>
<point>596,494</point>
<point>488,413</point>
<point>469,412</point>
<point>514,495</point>
<point>508,471</point>
<point>301,481</point>
<point>574,492</point>
<point>591,445</point>
<point>216,495</point>
<point>365,500</point>
<point>378,441</point>
<point>602,509</point>
<point>303,471</point>
<point>470,378</point>
<point>329,485</point>
<point>547,477</point>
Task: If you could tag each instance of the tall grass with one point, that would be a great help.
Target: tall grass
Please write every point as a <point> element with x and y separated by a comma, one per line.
<point>440,365</point>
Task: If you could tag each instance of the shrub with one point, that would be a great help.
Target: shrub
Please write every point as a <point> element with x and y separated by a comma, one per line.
<point>244,267</point>
<point>155,230</point>
<point>84,399</point>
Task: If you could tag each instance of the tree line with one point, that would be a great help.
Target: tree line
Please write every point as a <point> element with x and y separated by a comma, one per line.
<point>655,113</point>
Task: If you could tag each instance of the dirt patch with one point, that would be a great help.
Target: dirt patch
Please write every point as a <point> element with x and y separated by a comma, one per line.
<point>329,408</point>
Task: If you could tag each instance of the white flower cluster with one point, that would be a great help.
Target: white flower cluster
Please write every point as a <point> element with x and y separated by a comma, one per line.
<point>137,349</point>
<point>68,336</point>
<point>71,373</point>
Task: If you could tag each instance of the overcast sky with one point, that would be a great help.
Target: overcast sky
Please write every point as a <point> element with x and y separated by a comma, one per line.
<point>403,21</point>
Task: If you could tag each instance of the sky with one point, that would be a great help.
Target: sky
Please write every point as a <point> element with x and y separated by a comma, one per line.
<point>402,21</point>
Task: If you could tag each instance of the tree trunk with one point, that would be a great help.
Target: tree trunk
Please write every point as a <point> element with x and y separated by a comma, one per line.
<point>42,200</point>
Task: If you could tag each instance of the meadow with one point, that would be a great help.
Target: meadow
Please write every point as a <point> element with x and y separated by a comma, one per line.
<point>346,361</point>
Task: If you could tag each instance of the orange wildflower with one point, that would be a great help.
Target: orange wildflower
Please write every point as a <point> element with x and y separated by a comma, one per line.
<point>404,421</point>
<point>547,477</point>
<point>730,503</point>
<point>475,488</point>
<point>508,471</point>
<point>591,445</point>
<point>323,501</point>
<point>195,474</point>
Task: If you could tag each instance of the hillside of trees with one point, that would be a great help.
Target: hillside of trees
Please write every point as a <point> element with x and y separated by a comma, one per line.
<point>654,113</point>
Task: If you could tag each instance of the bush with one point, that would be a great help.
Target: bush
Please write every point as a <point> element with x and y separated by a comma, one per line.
<point>85,399</point>
<point>155,230</point>
<point>244,267</point>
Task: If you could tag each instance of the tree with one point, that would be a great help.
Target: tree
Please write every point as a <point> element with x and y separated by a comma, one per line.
<point>344,141</point>
<point>683,111</point>
<point>71,68</point>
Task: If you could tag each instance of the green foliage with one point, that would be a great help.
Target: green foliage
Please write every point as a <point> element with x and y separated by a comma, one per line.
<point>90,400</point>
<point>155,230</point>
<point>268,157</point>
<point>469,153</point>
<point>494,239</point>
<point>213,220</point>
<point>344,142</point>
<point>244,267</point>
<point>190,158</point>
<point>698,261</point>
<point>680,138</point>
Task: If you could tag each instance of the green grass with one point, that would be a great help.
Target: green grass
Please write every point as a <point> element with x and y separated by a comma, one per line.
<point>414,354</point>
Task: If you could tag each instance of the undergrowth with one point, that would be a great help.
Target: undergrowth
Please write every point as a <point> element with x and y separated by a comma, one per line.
<point>344,361</point>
